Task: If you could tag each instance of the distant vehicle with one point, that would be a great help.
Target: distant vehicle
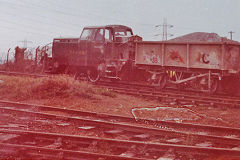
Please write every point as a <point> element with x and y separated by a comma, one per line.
<point>113,52</point>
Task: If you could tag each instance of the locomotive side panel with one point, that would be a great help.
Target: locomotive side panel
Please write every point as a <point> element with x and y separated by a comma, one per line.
<point>59,53</point>
<point>73,55</point>
<point>69,53</point>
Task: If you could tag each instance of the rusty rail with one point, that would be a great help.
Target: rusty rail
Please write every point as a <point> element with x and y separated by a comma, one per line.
<point>213,130</point>
<point>132,131</point>
<point>58,141</point>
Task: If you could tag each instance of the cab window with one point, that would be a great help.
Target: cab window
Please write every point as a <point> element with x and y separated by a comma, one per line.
<point>122,32</point>
<point>129,33</point>
<point>99,35</point>
<point>87,34</point>
<point>108,35</point>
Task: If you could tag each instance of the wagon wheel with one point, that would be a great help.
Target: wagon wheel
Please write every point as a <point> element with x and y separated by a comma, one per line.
<point>230,85</point>
<point>93,75</point>
<point>160,82</point>
<point>213,85</point>
<point>124,74</point>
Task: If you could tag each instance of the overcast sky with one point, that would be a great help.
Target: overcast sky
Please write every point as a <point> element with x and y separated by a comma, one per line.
<point>39,21</point>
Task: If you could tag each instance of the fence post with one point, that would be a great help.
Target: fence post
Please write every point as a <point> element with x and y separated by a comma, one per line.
<point>8,56</point>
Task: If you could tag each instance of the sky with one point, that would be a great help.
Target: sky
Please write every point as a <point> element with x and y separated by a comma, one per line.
<point>39,21</point>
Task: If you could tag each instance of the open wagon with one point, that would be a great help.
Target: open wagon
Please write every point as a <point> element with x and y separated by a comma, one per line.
<point>203,65</point>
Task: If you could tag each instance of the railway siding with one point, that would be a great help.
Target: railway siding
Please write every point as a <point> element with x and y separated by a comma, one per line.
<point>166,138</point>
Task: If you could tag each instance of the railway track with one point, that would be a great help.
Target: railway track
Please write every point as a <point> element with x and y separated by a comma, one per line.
<point>203,129</point>
<point>37,145</point>
<point>34,144</point>
<point>172,95</point>
<point>9,73</point>
<point>123,129</point>
<point>168,96</point>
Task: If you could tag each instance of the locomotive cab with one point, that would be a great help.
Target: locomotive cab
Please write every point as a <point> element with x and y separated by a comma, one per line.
<point>100,51</point>
<point>105,41</point>
<point>107,49</point>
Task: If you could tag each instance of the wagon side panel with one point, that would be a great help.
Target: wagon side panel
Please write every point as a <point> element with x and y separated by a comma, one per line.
<point>232,58</point>
<point>175,55</point>
<point>206,56</point>
<point>149,54</point>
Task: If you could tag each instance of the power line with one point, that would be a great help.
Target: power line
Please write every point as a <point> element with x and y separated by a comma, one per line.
<point>60,11</point>
<point>165,27</point>
<point>85,14</point>
<point>18,29</point>
<point>37,20</point>
<point>29,27</point>
<point>75,15</point>
<point>93,14</point>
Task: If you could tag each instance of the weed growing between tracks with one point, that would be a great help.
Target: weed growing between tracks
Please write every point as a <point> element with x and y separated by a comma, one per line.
<point>22,88</point>
<point>65,92</point>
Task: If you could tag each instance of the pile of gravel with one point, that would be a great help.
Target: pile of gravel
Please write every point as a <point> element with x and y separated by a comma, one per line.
<point>200,37</point>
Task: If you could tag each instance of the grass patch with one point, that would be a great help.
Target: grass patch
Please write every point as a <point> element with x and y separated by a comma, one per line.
<point>106,92</point>
<point>62,86</point>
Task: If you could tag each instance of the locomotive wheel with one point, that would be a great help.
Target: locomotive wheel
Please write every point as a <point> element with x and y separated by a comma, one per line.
<point>126,72</point>
<point>93,75</point>
<point>55,67</point>
<point>67,70</point>
<point>160,82</point>
<point>77,76</point>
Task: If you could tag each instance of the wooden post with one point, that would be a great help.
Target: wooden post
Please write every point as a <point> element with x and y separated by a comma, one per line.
<point>188,57</point>
<point>36,55</point>
<point>8,56</point>
<point>209,82</point>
